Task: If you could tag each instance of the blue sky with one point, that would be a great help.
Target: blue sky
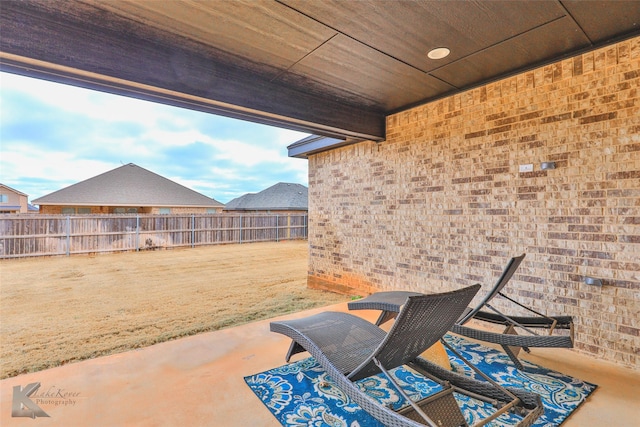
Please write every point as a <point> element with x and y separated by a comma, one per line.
<point>54,135</point>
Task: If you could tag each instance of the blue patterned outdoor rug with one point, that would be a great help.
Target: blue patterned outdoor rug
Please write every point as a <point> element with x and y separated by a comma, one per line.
<point>302,394</point>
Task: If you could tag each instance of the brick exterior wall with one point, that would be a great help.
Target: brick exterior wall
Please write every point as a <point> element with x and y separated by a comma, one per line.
<point>441,203</point>
<point>186,210</point>
<point>57,210</point>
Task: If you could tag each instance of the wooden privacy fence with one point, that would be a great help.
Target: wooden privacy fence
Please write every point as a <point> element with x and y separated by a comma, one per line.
<point>42,235</point>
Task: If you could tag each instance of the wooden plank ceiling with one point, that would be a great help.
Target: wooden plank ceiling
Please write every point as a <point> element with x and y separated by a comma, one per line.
<point>329,67</point>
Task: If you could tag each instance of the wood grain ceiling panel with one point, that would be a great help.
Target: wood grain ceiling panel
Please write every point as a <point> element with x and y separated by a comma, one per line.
<point>357,73</point>
<point>553,40</point>
<point>264,34</point>
<point>602,20</point>
<point>407,30</point>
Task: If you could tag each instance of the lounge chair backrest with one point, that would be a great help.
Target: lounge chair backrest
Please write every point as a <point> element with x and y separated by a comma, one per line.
<point>504,278</point>
<point>422,321</point>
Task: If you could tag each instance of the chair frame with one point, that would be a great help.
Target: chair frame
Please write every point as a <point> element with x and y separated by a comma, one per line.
<point>350,348</point>
<point>511,342</point>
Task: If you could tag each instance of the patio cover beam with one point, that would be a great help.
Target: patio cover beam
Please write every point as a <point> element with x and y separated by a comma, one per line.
<point>76,44</point>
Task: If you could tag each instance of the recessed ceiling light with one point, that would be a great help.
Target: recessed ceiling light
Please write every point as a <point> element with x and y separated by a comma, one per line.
<point>438,53</point>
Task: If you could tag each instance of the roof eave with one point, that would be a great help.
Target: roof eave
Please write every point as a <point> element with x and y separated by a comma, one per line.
<point>316,143</point>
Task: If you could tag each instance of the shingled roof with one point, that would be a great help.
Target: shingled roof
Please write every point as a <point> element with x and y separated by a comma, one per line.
<point>282,196</point>
<point>128,185</point>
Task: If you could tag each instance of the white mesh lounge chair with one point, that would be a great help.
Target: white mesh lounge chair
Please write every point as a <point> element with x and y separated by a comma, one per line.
<point>350,348</point>
<point>520,331</point>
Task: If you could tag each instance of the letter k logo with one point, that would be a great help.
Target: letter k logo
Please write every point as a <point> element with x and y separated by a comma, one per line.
<point>22,406</point>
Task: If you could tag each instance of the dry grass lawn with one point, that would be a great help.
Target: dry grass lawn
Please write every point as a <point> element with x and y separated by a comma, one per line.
<point>62,309</point>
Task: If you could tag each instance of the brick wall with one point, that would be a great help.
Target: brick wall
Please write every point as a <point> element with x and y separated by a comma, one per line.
<point>184,210</point>
<point>57,209</point>
<point>441,203</point>
<point>51,209</point>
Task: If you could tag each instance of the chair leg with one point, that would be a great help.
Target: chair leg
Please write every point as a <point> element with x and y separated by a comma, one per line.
<point>511,351</point>
<point>442,408</point>
<point>385,316</point>
<point>294,348</point>
<point>513,356</point>
<point>512,330</point>
<point>420,415</point>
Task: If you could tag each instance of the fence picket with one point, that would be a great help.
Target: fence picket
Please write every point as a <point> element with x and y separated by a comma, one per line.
<point>45,235</point>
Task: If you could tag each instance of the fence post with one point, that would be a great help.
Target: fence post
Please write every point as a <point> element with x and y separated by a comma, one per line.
<point>240,230</point>
<point>137,233</point>
<point>193,230</point>
<point>277,228</point>
<point>68,235</point>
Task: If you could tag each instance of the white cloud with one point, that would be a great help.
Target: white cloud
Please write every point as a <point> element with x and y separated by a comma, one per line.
<point>47,171</point>
<point>94,105</point>
<point>97,132</point>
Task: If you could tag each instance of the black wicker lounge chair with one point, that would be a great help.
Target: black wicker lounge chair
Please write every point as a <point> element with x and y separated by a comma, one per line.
<point>350,348</point>
<point>511,342</point>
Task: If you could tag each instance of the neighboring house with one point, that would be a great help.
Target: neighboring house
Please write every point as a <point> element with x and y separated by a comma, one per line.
<point>127,189</point>
<point>14,201</point>
<point>280,198</point>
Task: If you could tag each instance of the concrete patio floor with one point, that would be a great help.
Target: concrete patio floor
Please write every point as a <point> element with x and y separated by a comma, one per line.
<point>198,381</point>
